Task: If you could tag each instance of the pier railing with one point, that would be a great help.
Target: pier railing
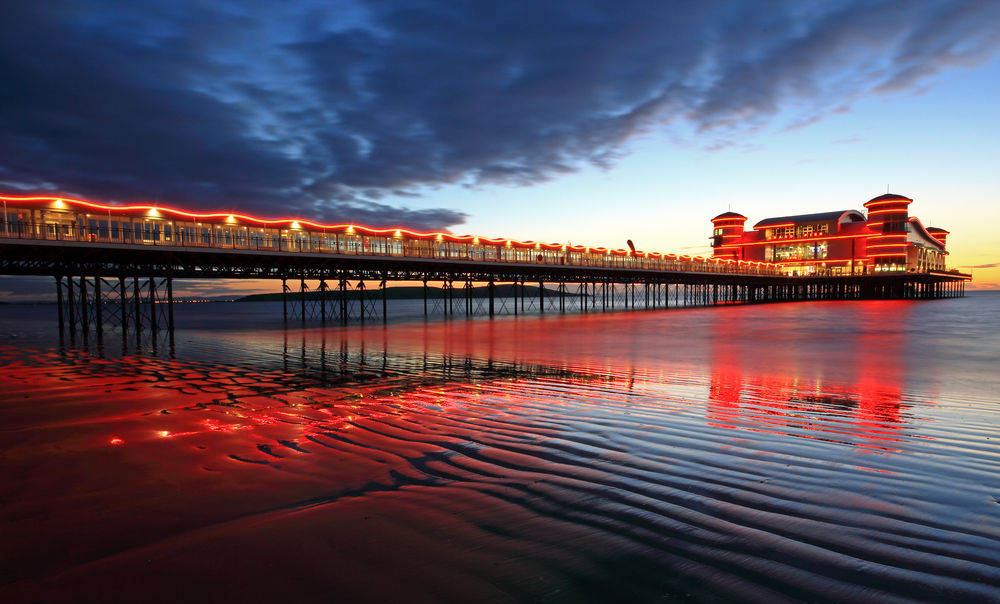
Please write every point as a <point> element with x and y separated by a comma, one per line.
<point>360,241</point>
<point>61,220</point>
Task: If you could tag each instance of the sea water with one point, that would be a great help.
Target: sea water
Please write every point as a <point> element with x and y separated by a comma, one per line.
<point>817,451</point>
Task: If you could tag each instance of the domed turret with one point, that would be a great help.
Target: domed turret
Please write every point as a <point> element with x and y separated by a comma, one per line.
<point>728,229</point>
<point>888,216</point>
<point>938,233</point>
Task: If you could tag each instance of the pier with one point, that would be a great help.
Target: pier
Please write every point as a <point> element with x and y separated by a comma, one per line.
<point>114,267</point>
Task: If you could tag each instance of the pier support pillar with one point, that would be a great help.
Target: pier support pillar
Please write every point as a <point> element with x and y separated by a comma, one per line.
<point>361,299</point>
<point>385,300</point>
<point>302,298</point>
<point>170,305</point>
<point>84,319</point>
<point>59,303</point>
<point>343,300</point>
<point>123,300</point>
<point>152,305</point>
<point>492,289</point>
<point>98,309</point>
<point>322,299</point>
<point>284,298</point>
<point>72,306</point>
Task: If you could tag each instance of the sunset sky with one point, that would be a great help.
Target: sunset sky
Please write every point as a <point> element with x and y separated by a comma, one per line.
<point>583,122</point>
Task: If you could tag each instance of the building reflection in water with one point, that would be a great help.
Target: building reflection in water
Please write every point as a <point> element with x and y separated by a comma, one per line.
<point>777,379</point>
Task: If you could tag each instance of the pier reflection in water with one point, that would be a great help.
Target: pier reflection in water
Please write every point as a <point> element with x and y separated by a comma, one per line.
<point>742,453</point>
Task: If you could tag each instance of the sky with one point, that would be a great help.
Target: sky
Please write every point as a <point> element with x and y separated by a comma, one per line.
<point>589,122</point>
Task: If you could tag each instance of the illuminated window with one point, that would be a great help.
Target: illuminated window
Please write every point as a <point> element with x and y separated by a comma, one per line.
<point>802,251</point>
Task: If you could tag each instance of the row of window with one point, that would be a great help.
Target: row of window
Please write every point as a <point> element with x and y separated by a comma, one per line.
<point>801,230</point>
<point>802,251</point>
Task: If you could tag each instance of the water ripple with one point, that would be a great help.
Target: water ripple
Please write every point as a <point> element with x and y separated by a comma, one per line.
<point>585,480</point>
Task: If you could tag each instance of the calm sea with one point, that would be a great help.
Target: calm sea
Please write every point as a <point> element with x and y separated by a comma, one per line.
<point>824,451</point>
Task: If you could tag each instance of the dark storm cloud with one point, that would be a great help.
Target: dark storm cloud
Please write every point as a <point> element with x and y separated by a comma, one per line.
<point>348,111</point>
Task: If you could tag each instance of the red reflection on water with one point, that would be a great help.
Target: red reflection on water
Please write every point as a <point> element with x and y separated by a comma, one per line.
<point>812,385</point>
<point>215,446</point>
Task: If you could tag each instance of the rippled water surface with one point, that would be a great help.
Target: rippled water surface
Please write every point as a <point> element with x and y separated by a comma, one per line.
<point>841,451</point>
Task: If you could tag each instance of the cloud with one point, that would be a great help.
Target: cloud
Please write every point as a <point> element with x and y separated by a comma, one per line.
<point>980,286</point>
<point>990,265</point>
<point>352,111</point>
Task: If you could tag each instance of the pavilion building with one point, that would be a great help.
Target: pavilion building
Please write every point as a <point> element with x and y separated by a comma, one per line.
<point>842,242</point>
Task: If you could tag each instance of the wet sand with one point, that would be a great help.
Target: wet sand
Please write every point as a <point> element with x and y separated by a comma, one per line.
<point>791,452</point>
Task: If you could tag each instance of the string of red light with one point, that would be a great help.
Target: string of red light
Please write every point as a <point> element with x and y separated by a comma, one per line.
<point>350,227</point>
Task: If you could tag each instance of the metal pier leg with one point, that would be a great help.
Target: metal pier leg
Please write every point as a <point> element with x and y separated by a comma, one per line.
<point>72,305</point>
<point>425,298</point>
<point>59,304</point>
<point>385,303</point>
<point>492,288</point>
<point>170,305</point>
<point>152,305</point>
<point>302,298</point>
<point>136,298</point>
<point>322,300</point>
<point>123,299</point>
<point>137,301</point>
<point>468,298</point>
<point>98,309</point>
<point>361,299</point>
<point>284,298</point>
<point>541,296</point>
<point>84,319</point>
<point>343,301</point>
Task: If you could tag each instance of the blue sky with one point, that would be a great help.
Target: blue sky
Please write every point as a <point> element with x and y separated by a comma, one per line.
<point>591,122</point>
